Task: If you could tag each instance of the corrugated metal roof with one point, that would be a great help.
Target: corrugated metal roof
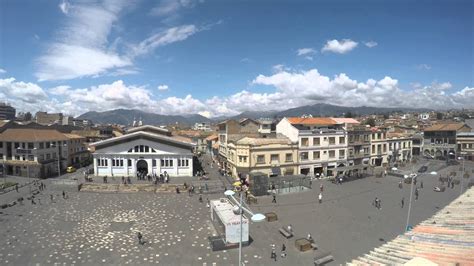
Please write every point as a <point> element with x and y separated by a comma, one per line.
<point>445,127</point>
<point>31,135</point>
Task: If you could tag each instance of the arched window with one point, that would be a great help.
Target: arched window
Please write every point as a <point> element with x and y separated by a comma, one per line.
<point>141,149</point>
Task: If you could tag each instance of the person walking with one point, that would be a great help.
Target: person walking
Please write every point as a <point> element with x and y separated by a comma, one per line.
<point>320,197</point>
<point>416,194</point>
<point>140,238</point>
<point>273,255</point>
<point>321,188</point>
<point>51,197</point>
<point>421,184</point>
<point>64,195</point>
<point>283,251</point>
<point>403,202</point>
<point>16,188</point>
<point>274,200</point>
<point>400,185</point>
<point>200,198</point>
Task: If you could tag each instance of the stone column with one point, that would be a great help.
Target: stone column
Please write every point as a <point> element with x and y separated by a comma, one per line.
<point>95,166</point>
<point>109,166</point>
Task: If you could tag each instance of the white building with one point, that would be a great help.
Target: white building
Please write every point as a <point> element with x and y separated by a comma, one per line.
<point>203,126</point>
<point>322,143</point>
<point>146,149</point>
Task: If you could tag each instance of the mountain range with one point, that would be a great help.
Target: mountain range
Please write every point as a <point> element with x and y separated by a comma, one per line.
<point>126,116</point>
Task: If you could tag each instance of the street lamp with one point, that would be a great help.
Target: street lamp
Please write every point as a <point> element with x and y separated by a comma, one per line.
<point>462,176</point>
<point>255,217</point>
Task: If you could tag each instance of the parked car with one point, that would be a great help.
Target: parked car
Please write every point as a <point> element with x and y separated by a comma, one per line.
<point>70,169</point>
<point>422,169</point>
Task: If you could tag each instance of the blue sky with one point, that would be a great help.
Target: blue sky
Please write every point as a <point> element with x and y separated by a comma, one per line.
<point>224,57</point>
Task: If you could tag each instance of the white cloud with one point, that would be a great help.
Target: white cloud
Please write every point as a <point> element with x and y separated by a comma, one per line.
<point>81,46</point>
<point>171,7</point>
<point>64,6</point>
<point>2,71</point>
<point>60,90</point>
<point>163,87</point>
<point>305,51</point>
<point>423,67</point>
<point>340,47</point>
<point>168,36</point>
<point>19,90</point>
<point>371,44</point>
<point>246,60</point>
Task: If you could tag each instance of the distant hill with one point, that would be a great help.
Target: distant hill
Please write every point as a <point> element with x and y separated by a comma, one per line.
<point>126,116</point>
<point>322,109</point>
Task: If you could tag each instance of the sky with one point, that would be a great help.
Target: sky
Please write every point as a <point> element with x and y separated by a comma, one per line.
<point>220,58</point>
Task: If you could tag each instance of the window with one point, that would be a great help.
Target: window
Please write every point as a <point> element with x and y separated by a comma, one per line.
<point>316,142</point>
<point>342,154</point>
<point>147,149</point>
<point>16,145</point>
<point>154,163</point>
<point>162,162</point>
<point>183,162</point>
<point>342,140</point>
<point>129,163</point>
<point>54,155</point>
<point>274,158</point>
<point>304,156</point>
<point>1,144</point>
<point>113,162</point>
<point>171,163</point>
<point>304,142</point>
<point>142,149</point>
<point>316,155</point>
<point>48,156</point>
<point>261,159</point>
<point>332,140</point>
<point>242,159</point>
<point>31,145</point>
<point>136,148</point>
<point>48,145</point>
<point>41,157</point>
<point>121,162</point>
<point>289,157</point>
<point>332,153</point>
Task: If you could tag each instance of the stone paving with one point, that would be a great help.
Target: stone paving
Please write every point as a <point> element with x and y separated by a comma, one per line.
<point>100,228</point>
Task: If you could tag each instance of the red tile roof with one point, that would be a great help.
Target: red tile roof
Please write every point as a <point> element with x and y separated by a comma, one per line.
<point>311,121</point>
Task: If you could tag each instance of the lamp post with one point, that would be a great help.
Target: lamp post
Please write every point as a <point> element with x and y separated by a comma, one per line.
<point>256,217</point>
<point>463,170</point>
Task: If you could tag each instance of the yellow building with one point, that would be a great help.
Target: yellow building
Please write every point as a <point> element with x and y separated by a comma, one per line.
<point>273,156</point>
<point>378,147</point>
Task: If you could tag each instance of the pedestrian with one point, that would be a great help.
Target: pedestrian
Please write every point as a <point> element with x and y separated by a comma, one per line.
<point>208,203</point>
<point>320,197</point>
<point>421,184</point>
<point>274,255</point>
<point>189,191</point>
<point>283,251</point>
<point>274,200</point>
<point>379,204</point>
<point>39,201</point>
<point>200,198</point>
<point>140,238</point>
<point>452,184</point>
<point>416,194</point>
<point>321,187</point>
<point>403,202</point>
<point>206,186</point>
<point>33,201</point>
<point>310,238</point>
<point>16,188</point>
<point>64,194</point>
<point>400,185</point>
<point>177,190</point>
<point>51,197</point>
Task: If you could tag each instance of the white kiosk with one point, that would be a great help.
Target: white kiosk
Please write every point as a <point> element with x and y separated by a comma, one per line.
<point>227,223</point>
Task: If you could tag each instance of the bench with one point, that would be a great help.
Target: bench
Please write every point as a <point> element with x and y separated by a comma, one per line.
<point>323,258</point>
<point>285,233</point>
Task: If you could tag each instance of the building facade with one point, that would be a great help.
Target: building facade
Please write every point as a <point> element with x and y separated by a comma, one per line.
<point>358,148</point>
<point>7,112</point>
<point>272,156</point>
<point>378,147</point>
<point>43,118</point>
<point>146,149</point>
<point>399,147</point>
<point>440,140</point>
<point>203,126</point>
<point>322,144</point>
<point>78,155</point>
<point>465,142</point>
<point>28,152</point>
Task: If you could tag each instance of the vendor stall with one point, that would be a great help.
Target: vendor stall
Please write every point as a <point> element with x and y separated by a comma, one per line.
<point>227,223</point>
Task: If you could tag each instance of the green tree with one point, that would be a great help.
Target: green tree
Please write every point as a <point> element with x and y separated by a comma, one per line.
<point>348,115</point>
<point>439,116</point>
<point>370,121</point>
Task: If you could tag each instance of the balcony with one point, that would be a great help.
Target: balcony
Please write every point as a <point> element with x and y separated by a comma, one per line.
<point>357,156</point>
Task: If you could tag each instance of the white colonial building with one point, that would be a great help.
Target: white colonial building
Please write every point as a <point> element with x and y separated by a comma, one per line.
<point>145,149</point>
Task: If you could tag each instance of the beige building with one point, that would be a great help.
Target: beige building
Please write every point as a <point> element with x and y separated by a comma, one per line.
<point>33,152</point>
<point>378,147</point>
<point>399,147</point>
<point>231,131</point>
<point>465,141</point>
<point>43,118</point>
<point>273,156</point>
<point>78,154</point>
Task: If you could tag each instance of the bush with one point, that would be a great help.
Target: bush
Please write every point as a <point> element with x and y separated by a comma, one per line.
<point>7,185</point>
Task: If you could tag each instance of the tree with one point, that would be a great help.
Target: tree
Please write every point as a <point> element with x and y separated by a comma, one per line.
<point>27,116</point>
<point>348,115</point>
<point>439,116</point>
<point>370,121</point>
